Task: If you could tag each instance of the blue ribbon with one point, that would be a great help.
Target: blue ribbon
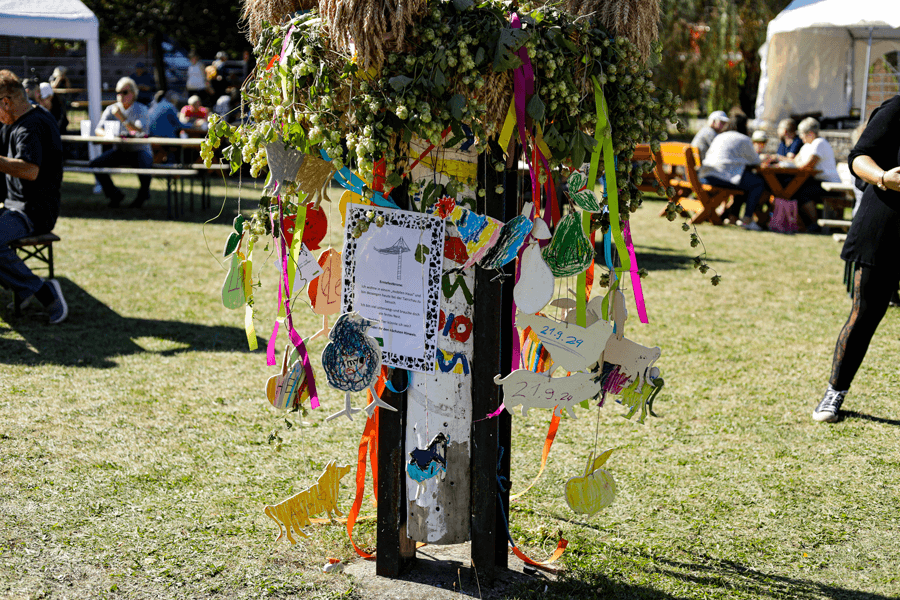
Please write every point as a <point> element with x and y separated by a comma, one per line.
<point>350,181</point>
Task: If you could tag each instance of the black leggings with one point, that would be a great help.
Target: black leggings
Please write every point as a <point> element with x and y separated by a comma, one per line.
<point>873,288</point>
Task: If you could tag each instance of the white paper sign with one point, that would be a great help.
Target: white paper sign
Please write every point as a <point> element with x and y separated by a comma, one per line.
<point>392,275</point>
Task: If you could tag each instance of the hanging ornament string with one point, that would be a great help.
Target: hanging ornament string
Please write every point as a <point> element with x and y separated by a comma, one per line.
<point>503,486</point>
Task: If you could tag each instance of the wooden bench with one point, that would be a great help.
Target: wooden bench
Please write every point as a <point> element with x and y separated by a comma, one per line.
<point>171,174</point>
<point>38,247</point>
<point>670,172</point>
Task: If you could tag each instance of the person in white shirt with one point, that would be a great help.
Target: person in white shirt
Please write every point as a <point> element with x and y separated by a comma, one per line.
<point>816,153</point>
<point>729,163</point>
<point>715,124</point>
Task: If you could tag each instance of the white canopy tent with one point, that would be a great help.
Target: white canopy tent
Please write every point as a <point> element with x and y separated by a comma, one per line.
<point>817,56</point>
<point>61,19</point>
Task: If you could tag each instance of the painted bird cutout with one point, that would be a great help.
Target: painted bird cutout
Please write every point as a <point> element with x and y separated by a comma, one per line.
<point>426,463</point>
<point>352,362</point>
<point>571,346</point>
<point>584,198</point>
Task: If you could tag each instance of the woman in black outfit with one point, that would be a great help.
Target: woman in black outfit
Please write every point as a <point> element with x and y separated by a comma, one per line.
<point>873,246</point>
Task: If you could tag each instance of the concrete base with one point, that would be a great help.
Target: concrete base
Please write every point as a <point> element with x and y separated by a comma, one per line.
<point>443,572</point>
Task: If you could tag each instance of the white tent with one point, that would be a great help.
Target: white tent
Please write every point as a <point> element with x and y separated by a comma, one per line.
<point>817,56</point>
<point>61,19</point>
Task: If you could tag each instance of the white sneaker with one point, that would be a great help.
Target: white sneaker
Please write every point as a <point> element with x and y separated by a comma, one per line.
<point>58,309</point>
<point>751,226</point>
<point>828,409</point>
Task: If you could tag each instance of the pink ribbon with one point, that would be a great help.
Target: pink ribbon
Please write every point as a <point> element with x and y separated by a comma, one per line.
<point>635,276</point>
<point>270,349</point>
<point>295,338</point>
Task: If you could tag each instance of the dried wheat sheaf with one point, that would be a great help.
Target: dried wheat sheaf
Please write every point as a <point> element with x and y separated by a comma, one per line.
<point>257,12</point>
<point>635,20</point>
<point>372,26</point>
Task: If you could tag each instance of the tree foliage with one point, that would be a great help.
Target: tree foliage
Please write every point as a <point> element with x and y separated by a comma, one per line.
<point>207,25</point>
<point>710,50</point>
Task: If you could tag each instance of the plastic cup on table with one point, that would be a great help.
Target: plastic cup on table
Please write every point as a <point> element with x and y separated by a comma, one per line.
<point>85,128</point>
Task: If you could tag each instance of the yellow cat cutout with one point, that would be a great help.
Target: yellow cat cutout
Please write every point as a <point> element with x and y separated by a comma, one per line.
<point>294,512</point>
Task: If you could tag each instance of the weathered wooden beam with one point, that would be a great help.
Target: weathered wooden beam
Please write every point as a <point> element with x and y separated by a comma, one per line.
<point>492,343</point>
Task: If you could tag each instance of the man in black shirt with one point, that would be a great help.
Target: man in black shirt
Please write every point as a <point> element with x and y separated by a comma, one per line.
<point>33,168</point>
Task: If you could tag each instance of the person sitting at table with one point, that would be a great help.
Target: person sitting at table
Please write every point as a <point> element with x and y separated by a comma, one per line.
<point>31,160</point>
<point>132,117</point>
<point>872,247</point>
<point>790,144</point>
<point>59,79</point>
<point>759,139</point>
<point>715,124</point>
<point>193,114</point>
<point>816,153</point>
<point>50,101</point>
<point>164,122</point>
<point>729,163</point>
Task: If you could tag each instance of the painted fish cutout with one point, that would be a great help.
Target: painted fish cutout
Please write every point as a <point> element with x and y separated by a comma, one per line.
<point>536,390</point>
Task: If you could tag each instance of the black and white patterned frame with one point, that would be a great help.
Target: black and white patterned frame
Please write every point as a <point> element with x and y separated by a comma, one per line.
<point>433,237</point>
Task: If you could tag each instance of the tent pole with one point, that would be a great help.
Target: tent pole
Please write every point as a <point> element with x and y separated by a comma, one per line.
<point>862,111</point>
<point>851,76</point>
<point>93,87</point>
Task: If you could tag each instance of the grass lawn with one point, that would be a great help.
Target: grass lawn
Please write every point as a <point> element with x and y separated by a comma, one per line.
<point>135,453</point>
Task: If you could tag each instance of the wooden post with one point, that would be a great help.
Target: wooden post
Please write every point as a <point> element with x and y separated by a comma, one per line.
<point>441,402</point>
<point>394,549</point>
<point>492,343</point>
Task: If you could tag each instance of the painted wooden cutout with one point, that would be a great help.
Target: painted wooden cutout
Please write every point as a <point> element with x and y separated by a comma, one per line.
<point>325,290</point>
<point>579,193</point>
<point>540,231</point>
<point>477,232</point>
<point>535,286</point>
<point>308,268</point>
<point>352,361</point>
<point>571,346</point>
<point>234,238</point>
<point>570,251</point>
<point>428,462</point>
<point>294,512</point>
<point>537,390</point>
<point>349,197</point>
<point>512,236</point>
<point>283,389</point>
<point>398,249</point>
<point>233,287</point>
<point>593,491</point>
<point>315,226</point>
<point>641,398</point>
<point>633,359</point>
<point>284,163</point>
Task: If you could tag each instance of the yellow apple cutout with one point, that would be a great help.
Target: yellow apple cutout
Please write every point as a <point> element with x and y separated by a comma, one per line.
<point>594,491</point>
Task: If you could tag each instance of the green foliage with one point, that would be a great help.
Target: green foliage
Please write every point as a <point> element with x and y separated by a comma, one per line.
<point>709,50</point>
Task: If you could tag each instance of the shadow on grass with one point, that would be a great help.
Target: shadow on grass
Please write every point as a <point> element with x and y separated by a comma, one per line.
<point>705,572</point>
<point>79,201</point>
<point>659,259</point>
<point>94,334</point>
<point>852,414</point>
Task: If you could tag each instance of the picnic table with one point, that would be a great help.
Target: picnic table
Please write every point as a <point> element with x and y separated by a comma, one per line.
<point>173,173</point>
<point>783,181</point>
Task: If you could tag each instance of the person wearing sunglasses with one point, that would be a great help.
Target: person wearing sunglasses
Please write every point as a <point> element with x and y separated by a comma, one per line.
<point>131,117</point>
<point>31,160</point>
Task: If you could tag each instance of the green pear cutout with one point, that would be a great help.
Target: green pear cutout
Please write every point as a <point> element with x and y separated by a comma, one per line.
<point>569,252</point>
<point>233,288</point>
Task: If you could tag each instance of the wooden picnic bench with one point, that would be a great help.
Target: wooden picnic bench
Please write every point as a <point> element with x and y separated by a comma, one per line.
<point>171,175</point>
<point>677,165</point>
